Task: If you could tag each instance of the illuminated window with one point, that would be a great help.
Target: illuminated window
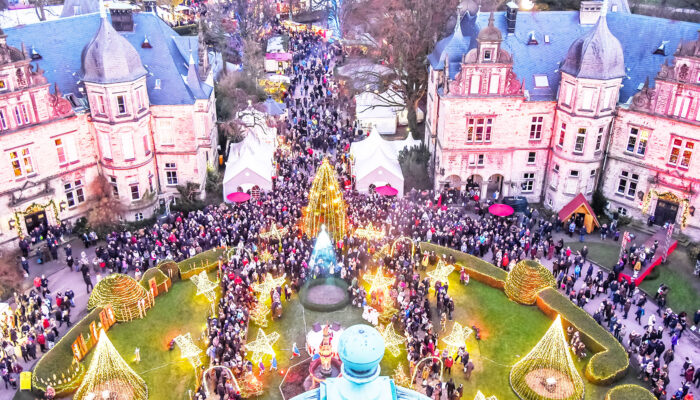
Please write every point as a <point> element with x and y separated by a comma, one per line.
<point>536,128</point>
<point>580,140</point>
<point>681,153</point>
<point>562,134</point>
<point>21,161</point>
<point>637,141</point>
<point>479,130</point>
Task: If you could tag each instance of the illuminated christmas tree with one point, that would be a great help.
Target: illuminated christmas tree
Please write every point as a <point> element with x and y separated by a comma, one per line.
<point>400,378</point>
<point>547,371</point>
<point>259,314</point>
<point>326,205</point>
<point>251,386</point>
<point>110,374</point>
<point>526,280</point>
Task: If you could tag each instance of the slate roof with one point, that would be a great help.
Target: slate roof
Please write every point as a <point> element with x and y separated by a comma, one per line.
<point>60,43</point>
<point>563,29</point>
<point>454,46</point>
<point>110,58</point>
<point>596,55</point>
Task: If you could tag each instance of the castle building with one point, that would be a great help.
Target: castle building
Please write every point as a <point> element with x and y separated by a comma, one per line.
<point>547,105</point>
<point>95,100</point>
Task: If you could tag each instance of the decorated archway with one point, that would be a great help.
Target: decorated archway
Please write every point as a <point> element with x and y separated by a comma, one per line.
<point>654,196</point>
<point>49,210</point>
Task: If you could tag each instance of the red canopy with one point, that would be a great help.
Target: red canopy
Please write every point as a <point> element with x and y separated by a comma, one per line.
<point>238,197</point>
<point>501,210</point>
<point>386,191</point>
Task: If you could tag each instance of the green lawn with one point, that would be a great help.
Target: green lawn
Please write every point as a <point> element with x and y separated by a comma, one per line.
<point>677,273</point>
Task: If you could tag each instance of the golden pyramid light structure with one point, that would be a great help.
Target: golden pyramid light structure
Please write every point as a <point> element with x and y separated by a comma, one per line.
<point>109,373</point>
<point>547,371</point>
<point>526,280</point>
<point>326,205</point>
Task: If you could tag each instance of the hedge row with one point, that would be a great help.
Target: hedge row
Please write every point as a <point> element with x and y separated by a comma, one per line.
<point>163,282</point>
<point>170,269</point>
<point>629,392</point>
<point>610,361</point>
<point>59,359</point>
<point>204,261</point>
<point>477,268</point>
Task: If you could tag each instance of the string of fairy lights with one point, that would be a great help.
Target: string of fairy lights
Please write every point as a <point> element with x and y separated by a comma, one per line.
<point>123,293</point>
<point>326,205</point>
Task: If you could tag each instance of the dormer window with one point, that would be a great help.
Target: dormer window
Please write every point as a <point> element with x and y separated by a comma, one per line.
<point>541,81</point>
<point>532,40</point>
<point>661,50</point>
<point>121,104</point>
<point>487,55</point>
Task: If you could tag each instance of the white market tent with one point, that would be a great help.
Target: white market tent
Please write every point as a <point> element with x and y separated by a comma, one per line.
<point>376,163</point>
<point>249,164</point>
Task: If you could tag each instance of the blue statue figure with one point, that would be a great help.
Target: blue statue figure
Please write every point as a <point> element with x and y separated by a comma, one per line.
<point>323,255</point>
<point>361,348</point>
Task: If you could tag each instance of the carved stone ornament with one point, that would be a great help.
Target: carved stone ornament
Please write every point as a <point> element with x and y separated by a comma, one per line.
<point>513,85</point>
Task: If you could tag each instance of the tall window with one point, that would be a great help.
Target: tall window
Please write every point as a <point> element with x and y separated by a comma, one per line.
<point>607,98</point>
<point>536,128</point>
<point>627,185</point>
<point>127,146</point>
<point>65,149</point>
<point>18,116</point>
<point>105,145</point>
<point>21,161</point>
<point>135,195</point>
<point>139,103</point>
<point>599,139</point>
<point>531,157</point>
<point>61,151</point>
<point>681,152</point>
<point>580,140</point>
<point>474,84</point>
<point>121,104</point>
<point>115,187</point>
<point>3,120</point>
<point>637,141</point>
<point>25,113</point>
<point>165,127</point>
<point>587,99</point>
<point>479,130</point>
<point>493,84</point>
<point>100,104</point>
<point>682,106</point>
<point>528,184</point>
<point>591,182</point>
<point>562,134</point>
<point>171,174</point>
<point>571,184</point>
<point>74,192</point>
<point>568,93</point>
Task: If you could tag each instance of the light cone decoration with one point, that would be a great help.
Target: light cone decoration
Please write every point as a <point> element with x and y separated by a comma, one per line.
<point>326,205</point>
<point>108,372</point>
<point>526,280</point>
<point>547,371</point>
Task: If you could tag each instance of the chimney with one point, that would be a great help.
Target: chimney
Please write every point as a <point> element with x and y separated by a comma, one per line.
<point>589,11</point>
<point>149,6</point>
<point>122,17</point>
<point>511,16</point>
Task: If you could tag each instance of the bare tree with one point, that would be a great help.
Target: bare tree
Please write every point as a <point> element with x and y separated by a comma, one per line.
<point>107,208</point>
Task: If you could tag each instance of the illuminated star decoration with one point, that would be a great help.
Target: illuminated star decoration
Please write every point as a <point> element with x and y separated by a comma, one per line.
<point>457,338</point>
<point>188,349</point>
<point>205,286</point>
<point>378,281</point>
<point>274,232</point>
<point>392,341</point>
<point>265,256</point>
<point>480,396</point>
<point>400,377</point>
<point>388,311</point>
<point>441,272</point>
<point>259,314</point>
<point>267,286</point>
<point>262,345</point>
<point>369,232</point>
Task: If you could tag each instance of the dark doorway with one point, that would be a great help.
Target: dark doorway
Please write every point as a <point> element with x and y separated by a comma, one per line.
<point>35,219</point>
<point>665,211</point>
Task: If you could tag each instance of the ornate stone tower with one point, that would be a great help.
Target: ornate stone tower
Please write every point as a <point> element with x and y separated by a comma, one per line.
<point>591,76</point>
<point>115,83</point>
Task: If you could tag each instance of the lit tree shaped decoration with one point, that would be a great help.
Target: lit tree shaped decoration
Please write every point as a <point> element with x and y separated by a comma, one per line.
<point>274,232</point>
<point>457,338</point>
<point>188,349</point>
<point>251,386</point>
<point>369,232</point>
<point>259,314</point>
<point>400,378</point>
<point>441,272</point>
<point>109,373</point>
<point>268,285</point>
<point>547,371</point>
<point>378,282</point>
<point>262,345</point>
<point>326,205</point>
<point>480,396</point>
<point>266,256</point>
<point>392,341</point>
<point>205,286</point>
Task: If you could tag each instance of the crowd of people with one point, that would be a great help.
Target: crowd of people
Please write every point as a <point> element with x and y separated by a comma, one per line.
<point>318,126</point>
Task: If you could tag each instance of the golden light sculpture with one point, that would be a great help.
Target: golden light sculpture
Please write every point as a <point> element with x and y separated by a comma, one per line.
<point>188,349</point>
<point>403,239</point>
<point>441,272</point>
<point>109,373</point>
<point>262,345</point>
<point>526,280</point>
<point>123,293</point>
<point>457,338</point>
<point>392,341</point>
<point>326,205</point>
<point>369,232</point>
<point>388,310</point>
<point>266,256</point>
<point>481,396</point>
<point>205,286</point>
<point>383,251</point>
<point>229,253</point>
<point>378,281</point>
<point>267,286</point>
<point>400,378</point>
<point>251,386</point>
<point>259,314</point>
<point>547,371</point>
<point>274,232</point>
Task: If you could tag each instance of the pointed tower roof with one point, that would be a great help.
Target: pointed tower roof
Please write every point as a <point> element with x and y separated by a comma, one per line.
<point>109,57</point>
<point>109,372</point>
<point>450,49</point>
<point>192,79</point>
<point>490,33</point>
<point>549,361</point>
<point>596,55</point>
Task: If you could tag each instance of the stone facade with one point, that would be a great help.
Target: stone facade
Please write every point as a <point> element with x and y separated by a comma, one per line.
<point>56,148</point>
<point>487,131</point>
